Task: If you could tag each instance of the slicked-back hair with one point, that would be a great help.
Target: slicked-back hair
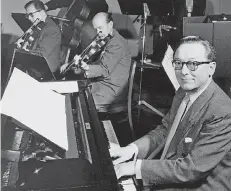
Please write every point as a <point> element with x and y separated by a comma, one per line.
<point>210,50</point>
<point>39,5</point>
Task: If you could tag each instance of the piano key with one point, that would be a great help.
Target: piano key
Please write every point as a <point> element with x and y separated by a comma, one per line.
<point>129,187</point>
<point>110,131</point>
<point>128,183</point>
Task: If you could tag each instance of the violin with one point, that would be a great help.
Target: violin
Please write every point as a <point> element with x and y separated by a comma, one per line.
<point>27,40</point>
<point>93,48</point>
<point>76,13</point>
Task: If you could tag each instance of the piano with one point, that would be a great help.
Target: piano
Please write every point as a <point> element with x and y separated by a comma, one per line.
<point>86,165</point>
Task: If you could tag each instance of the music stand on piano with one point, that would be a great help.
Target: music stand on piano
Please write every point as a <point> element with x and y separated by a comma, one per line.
<point>33,64</point>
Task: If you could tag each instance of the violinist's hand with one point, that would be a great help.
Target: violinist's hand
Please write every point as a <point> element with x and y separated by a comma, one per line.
<point>63,67</point>
<point>122,154</point>
<point>125,169</point>
<point>19,43</point>
<point>77,59</point>
<point>84,65</point>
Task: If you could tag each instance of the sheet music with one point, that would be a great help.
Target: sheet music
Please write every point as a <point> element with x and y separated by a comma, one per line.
<point>37,107</point>
<point>62,86</point>
<point>167,64</point>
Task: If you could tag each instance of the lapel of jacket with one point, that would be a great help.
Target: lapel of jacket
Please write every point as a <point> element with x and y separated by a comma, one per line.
<point>192,116</point>
<point>175,105</point>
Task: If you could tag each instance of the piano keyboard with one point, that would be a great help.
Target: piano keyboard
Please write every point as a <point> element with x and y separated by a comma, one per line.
<point>127,184</point>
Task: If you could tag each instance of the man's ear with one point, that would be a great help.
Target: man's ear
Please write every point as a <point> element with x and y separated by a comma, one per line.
<point>110,24</point>
<point>212,67</point>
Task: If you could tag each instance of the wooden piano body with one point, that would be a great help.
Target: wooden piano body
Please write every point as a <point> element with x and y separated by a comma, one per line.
<point>86,165</point>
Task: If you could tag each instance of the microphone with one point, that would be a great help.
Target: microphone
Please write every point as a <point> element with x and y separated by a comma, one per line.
<point>189,7</point>
<point>146,10</point>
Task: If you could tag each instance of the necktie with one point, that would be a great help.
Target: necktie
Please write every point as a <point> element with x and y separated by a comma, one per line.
<point>180,114</point>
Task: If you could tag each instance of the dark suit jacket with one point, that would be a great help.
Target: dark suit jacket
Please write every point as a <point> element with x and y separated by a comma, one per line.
<point>204,163</point>
<point>113,67</point>
<point>48,43</point>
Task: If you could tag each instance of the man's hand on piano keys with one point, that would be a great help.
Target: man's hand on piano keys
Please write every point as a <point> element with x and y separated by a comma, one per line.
<point>122,154</point>
<point>125,169</point>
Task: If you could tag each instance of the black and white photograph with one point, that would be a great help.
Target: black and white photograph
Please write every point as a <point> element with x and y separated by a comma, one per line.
<point>115,95</point>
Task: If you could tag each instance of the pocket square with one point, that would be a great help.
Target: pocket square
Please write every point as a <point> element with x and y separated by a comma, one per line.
<point>187,139</point>
<point>187,146</point>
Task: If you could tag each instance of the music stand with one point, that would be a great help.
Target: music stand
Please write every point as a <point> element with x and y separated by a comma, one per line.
<point>142,102</point>
<point>217,18</point>
<point>33,64</point>
<point>135,9</point>
<point>21,20</point>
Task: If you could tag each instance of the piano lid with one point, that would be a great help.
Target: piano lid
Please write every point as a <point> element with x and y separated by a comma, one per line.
<point>21,20</point>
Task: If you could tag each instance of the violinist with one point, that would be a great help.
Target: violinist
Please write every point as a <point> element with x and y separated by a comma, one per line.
<point>48,39</point>
<point>113,65</point>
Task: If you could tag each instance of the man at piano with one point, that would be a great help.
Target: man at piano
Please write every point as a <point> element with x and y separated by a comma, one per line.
<point>195,134</point>
<point>48,40</point>
<point>112,66</point>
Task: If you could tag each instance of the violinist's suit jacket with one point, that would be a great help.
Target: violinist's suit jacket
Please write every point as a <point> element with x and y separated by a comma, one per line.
<point>48,43</point>
<point>199,156</point>
<point>113,66</point>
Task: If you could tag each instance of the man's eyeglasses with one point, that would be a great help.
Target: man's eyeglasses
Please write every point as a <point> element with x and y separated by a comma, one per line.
<point>31,14</point>
<point>192,65</point>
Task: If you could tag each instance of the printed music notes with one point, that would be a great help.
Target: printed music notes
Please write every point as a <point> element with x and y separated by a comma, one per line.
<point>167,64</point>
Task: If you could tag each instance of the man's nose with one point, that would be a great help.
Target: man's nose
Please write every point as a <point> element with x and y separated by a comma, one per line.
<point>184,69</point>
<point>31,19</point>
<point>99,31</point>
